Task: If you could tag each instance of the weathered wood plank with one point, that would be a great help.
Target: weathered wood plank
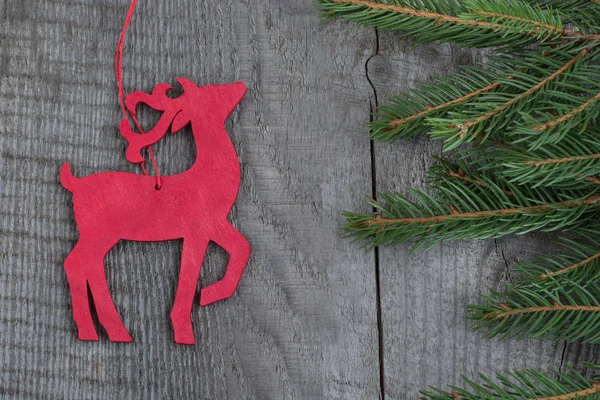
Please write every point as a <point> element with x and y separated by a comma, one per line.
<point>424,295</point>
<point>303,322</point>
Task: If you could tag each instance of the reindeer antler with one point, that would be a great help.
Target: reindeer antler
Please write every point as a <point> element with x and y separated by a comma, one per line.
<point>159,101</point>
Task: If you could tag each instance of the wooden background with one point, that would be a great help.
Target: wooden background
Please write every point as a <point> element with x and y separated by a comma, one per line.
<point>314,316</point>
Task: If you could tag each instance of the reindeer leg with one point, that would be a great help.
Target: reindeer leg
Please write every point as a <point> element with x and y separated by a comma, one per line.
<point>85,267</point>
<point>76,268</point>
<point>192,257</point>
<point>238,248</point>
<point>105,307</point>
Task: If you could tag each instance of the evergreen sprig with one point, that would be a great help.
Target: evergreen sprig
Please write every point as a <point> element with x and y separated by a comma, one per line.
<point>579,262</point>
<point>406,115</point>
<point>492,113</point>
<point>551,126</point>
<point>568,311</point>
<point>569,164</point>
<point>530,114</point>
<point>532,95</point>
<point>477,23</point>
<point>583,14</point>
<point>527,384</point>
<point>464,209</point>
<point>530,117</point>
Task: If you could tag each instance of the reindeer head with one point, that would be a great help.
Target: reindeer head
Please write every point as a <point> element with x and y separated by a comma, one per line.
<point>207,105</point>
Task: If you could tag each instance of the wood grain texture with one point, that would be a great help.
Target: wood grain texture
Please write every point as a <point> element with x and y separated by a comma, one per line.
<point>303,322</point>
<point>426,336</point>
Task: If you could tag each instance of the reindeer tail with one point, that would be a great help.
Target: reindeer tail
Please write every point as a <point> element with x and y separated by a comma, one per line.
<point>66,177</point>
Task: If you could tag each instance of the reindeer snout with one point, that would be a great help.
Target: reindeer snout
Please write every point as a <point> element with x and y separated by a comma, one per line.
<point>239,88</point>
<point>134,155</point>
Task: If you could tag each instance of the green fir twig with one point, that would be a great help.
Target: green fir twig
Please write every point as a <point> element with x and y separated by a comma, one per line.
<point>527,384</point>
<point>530,119</point>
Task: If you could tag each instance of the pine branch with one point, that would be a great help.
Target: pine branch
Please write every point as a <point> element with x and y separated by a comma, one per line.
<point>445,171</point>
<point>577,111</point>
<point>461,99</point>
<point>578,261</point>
<point>468,205</point>
<point>592,179</point>
<point>583,14</point>
<point>467,126</point>
<point>406,114</point>
<point>563,312</point>
<point>527,384</point>
<point>590,261</point>
<point>460,174</point>
<point>555,126</point>
<point>475,104</point>
<point>517,13</point>
<point>472,27</point>
<point>462,211</point>
<point>571,164</point>
<point>532,116</point>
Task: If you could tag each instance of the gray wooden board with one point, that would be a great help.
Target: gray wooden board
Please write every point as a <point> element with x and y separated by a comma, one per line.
<point>303,321</point>
<point>424,295</point>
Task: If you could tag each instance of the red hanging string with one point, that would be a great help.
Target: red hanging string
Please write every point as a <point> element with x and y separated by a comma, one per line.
<point>119,74</point>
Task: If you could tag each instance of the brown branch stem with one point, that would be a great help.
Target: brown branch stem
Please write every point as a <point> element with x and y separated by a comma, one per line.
<point>592,179</point>
<point>478,214</point>
<point>443,18</point>
<point>575,395</point>
<point>547,161</point>
<point>461,176</point>
<point>524,95</point>
<point>571,267</point>
<point>567,116</point>
<point>559,31</point>
<point>455,395</point>
<point>509,312</point>
<point>401,121</point>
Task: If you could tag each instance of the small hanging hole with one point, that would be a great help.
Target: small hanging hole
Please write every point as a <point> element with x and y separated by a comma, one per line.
<point>157,187</point>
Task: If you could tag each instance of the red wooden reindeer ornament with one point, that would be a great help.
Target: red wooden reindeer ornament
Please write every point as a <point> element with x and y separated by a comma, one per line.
<point>193,205</point>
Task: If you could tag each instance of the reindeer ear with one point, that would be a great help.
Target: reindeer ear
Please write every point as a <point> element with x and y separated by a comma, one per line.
<point>180,120</point>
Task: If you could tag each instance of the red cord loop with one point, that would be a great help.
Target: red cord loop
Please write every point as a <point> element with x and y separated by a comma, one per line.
<point>119,74</point>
